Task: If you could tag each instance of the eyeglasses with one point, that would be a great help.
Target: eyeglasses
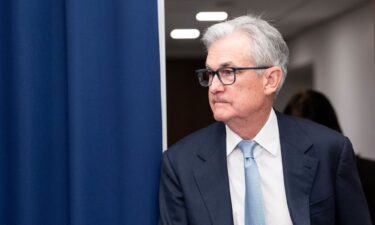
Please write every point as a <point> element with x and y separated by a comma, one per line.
<point>226,75</point>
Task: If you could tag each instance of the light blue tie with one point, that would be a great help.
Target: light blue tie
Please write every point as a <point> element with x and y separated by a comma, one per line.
<point>254,214</point>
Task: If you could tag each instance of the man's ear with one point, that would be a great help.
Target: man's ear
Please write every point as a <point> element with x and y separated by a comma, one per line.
<point>272,79</point>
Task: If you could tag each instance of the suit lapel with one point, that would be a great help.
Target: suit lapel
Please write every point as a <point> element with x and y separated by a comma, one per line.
<point>211,176</point>
<point>299,169</point>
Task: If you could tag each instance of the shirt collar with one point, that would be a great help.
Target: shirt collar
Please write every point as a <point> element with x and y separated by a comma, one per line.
<point>267,137</point>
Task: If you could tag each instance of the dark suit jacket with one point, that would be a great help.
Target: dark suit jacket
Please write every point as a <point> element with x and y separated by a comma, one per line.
<point>320,175</point>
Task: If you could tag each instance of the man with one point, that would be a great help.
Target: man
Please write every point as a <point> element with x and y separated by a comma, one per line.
<point>256,166</point>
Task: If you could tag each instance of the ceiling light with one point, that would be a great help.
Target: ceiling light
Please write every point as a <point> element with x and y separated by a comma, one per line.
<point>211,16</point>
<point>185,33</point>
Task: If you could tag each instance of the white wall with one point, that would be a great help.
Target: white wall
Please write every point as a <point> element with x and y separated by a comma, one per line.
<point>342,53</point>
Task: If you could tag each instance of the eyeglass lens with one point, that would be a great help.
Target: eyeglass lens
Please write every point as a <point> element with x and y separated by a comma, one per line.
<point>225,75</point>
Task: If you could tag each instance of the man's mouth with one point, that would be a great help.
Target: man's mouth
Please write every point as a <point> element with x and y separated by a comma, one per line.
<point>219,101</point>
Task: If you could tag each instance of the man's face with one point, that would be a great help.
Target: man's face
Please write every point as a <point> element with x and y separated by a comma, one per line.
<point>243,99</point>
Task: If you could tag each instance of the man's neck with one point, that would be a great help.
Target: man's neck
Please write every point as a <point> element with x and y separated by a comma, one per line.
<point>248,128</point>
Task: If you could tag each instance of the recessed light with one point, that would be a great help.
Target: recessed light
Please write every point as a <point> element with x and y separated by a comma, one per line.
<point>211,16</point>
<point>185,33</point>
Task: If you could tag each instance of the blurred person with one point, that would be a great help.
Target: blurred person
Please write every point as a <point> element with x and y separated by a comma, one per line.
<point>256,166</point>
<point>315,106</point>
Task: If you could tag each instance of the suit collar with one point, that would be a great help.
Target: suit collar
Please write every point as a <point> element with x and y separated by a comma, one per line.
<point>211,176</point>
<point>267,137</point>
<point>299,168</point>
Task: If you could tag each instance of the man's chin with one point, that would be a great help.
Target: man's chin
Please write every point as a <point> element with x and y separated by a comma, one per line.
<point>220,117</point>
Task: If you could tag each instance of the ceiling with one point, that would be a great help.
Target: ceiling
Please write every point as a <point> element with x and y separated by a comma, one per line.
<point>291,17</point>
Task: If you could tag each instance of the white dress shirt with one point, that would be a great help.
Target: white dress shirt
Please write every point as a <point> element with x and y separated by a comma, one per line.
<point>268,158</point>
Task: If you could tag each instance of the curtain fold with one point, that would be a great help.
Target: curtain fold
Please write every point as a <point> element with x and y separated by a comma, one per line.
<point>80,114</point>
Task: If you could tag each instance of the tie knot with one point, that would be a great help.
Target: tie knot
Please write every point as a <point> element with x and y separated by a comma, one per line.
<point>247,147</point>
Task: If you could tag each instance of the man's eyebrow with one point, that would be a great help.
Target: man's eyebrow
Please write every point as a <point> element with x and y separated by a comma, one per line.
<point>222,65</point>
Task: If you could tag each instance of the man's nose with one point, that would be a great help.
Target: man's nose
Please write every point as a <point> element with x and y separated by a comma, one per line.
<point>216,84</point>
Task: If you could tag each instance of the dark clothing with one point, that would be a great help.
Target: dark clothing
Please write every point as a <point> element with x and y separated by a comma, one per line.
<point>366,170</point>
<point>320,175</point>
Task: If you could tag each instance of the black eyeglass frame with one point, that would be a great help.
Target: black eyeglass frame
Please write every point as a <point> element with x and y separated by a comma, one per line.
<point>235,69</point>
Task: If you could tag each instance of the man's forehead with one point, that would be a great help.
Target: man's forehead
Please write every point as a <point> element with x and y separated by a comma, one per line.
<point>231,50</point>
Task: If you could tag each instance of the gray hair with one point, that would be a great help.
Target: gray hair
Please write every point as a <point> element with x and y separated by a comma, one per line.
<point>268,45</point>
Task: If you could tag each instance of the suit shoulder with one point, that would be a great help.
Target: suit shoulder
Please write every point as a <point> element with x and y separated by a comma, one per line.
<point>316,132</point>
<point>196,140</point>
<point>320,142</point>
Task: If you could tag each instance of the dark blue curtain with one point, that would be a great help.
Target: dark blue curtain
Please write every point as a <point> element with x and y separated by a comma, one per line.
<point>80,115</point>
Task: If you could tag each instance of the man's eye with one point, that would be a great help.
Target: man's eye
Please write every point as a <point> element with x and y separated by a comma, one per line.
<point>226,72</point>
